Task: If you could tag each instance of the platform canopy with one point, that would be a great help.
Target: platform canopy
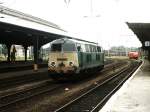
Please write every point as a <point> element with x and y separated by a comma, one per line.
<point>22,29</point>
<point>15,34</point>
<point>142,31</point>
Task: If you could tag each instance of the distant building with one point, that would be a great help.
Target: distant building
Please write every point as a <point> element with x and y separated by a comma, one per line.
<point>119,51</point>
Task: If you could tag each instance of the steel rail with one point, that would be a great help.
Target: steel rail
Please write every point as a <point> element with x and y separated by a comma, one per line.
<point>89,91</point>
<point>12,81</point>
<point>40,84</point>
<point>98,106</point>
<point>27,94</point>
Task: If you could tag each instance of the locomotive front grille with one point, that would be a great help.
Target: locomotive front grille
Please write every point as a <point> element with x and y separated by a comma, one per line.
<point>62,59</point>
<point>61,64</point>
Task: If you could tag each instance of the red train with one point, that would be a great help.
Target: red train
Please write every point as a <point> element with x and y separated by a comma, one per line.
<point>133,55</point>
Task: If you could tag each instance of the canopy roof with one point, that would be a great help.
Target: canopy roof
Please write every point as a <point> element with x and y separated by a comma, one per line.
<point>14,34</point>
<point>142,31</point>
<point>22,29</point>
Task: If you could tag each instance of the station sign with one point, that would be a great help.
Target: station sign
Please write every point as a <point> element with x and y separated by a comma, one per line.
<point>147,43</point>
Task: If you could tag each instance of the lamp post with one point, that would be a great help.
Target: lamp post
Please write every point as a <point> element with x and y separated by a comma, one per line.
<point>67,2</point>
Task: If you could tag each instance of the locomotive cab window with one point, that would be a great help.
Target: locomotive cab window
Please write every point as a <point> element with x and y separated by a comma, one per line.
<point>69,47</point>
<point>79,48</point>
<point>56,47</point>
<point>63,47</point>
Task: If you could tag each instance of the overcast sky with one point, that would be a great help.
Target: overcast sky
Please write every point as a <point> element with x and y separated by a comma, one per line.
<point>101,21</point>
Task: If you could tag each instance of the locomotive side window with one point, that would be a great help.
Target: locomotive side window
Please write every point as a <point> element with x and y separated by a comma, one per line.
<point>98,49</point>
<point>87,48</point>
<point>95,50</point>
<point>90,46</point>
<point>56,47</point>
<point>83,47</point>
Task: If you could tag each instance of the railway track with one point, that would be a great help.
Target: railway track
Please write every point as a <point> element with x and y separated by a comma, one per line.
<point>11,82</point>
<point>95,98</point>
<point>18,80</point>
<point>9,100</point>
<point>18,66</point>
<point>12,98</point>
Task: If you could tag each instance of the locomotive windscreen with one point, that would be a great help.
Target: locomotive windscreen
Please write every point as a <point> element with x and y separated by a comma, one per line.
<point>63,47</point>
<point>56,47</point>
<point>69,47</point>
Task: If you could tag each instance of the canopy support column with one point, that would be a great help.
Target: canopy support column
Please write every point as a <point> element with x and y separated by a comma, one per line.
<point>36,52</point>
<point>25,52</point>
<point>8,49</point>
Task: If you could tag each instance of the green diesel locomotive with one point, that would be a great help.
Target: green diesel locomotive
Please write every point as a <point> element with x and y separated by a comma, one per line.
<point>69,57</point>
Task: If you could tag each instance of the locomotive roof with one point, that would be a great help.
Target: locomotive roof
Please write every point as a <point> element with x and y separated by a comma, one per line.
<point>72,40</point>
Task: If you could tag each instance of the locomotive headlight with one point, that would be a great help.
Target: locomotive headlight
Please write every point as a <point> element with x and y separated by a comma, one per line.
<point>70,63</point>
<point>53,64</point>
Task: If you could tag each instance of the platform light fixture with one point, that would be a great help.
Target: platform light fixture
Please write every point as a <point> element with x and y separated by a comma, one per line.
<point>8,31</point>
<point>29,35</point>
<point>91,11</point>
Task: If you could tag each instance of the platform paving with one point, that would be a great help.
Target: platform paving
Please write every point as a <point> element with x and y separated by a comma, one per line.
<point>134,96</point>
<point>19,66</point>
<point>22,73</point>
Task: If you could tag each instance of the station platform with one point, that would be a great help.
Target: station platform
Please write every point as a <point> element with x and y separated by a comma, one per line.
<point>19,66</point>
<point>22,73</point>
<point>134,95</point>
